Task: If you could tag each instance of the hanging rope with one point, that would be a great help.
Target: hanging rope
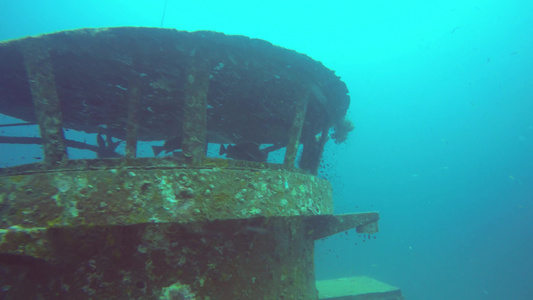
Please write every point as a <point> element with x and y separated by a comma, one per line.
<point>164,11</point>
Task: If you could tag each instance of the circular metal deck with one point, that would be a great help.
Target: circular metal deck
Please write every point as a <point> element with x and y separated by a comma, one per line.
<point>252,90</point>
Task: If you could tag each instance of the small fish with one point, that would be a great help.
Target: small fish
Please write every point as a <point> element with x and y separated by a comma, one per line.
<point>249,151</point>
<point>168,146</point>
<point>106,148</point>
<point>244,151</point>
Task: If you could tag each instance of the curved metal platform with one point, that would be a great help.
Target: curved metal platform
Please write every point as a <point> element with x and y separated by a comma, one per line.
<point>95,73</point>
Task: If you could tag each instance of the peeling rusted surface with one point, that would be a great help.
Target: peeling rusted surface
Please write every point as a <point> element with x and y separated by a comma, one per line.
<point>45,100</point>
<point>194,112</point>
<point>122,196</point>
<point>257,258</point>
<point>150,232</point>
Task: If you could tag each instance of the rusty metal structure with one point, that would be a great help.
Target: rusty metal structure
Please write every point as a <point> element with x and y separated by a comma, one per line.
<point>185,226</point>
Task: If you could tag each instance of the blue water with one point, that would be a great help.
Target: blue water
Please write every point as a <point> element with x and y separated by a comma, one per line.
<point>442,100</point>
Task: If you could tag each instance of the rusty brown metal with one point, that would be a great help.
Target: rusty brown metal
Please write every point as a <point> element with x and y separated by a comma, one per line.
<point>45,100</point>
<point>132,127</point>
<point>295,132</point>
<point>194,112</point>
<point>178,227</point>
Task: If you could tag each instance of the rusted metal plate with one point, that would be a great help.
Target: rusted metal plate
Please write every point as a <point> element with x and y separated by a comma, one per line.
<point>326,225</point>
<point>265,258</point>
<point>357,288</point>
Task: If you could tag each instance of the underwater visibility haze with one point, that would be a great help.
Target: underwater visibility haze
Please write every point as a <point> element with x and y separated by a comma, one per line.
<point>442,103</point>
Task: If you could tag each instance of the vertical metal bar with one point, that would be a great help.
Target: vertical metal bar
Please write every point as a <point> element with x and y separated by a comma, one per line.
<point>132,127</point>
<point>312,152</point>
<point>295,132</point>
<point>324,138</point>
<point>45,100</point>
<point>194,113</point>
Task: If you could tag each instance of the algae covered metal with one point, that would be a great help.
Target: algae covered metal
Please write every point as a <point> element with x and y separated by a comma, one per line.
<point>183,226</point>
